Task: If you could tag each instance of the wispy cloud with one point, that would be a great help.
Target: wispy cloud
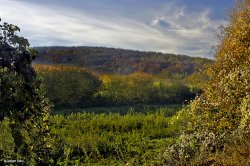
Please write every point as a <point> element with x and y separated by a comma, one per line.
<point>172,29</point>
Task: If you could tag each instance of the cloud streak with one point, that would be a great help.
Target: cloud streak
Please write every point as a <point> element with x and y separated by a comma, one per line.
<point>172,29</point>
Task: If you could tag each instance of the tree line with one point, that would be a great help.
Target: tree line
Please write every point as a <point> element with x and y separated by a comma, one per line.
<point>73,87</point>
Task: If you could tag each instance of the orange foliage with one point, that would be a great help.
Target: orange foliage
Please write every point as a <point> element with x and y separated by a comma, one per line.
<point>44,68</point>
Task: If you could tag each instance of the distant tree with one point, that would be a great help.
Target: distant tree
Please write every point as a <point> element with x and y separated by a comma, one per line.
<point>198,79</point>
<point>68,86</point>
<point>135,88</point>
<point>22,100</point>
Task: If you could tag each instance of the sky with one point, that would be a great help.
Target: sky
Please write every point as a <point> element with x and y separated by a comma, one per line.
<point>186,27</point>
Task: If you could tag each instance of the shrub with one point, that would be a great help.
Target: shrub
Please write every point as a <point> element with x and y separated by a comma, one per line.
<point>68,86</point>
<point>218,120</point>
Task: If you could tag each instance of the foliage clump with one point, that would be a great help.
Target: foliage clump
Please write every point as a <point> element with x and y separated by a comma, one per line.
<point>217,123</point>
<point>69,86</point>
<point>22,101</point>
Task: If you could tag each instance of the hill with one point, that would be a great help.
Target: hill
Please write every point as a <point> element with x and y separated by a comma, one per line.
<point>119,61</point>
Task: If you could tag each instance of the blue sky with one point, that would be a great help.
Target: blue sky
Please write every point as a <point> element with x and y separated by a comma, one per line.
<point>174,26</point>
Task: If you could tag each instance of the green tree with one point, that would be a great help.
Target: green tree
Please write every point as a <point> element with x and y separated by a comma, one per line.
<point>22,100</point>
<point>68,86</point>
<point>135,88</point>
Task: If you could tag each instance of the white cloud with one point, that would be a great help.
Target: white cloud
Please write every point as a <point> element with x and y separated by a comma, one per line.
<point>174,30</point>
<point>194,29</point>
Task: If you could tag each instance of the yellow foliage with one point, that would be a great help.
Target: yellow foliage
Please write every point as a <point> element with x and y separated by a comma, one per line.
<point>46,68</point>
<point>219,120</point>
<point>230,74</point>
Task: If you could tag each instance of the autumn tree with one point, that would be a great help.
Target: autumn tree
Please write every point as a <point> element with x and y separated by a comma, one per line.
<point>22,101</point>
<point>217,123</point>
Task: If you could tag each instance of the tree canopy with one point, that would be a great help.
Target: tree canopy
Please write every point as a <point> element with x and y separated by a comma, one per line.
<point>22,100</point>
<point>217,123</point>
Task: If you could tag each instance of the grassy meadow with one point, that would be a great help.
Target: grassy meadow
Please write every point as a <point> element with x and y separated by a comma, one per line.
<point>124,136</point>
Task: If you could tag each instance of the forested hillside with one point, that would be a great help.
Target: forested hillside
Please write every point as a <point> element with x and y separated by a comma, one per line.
<point>118,61</point>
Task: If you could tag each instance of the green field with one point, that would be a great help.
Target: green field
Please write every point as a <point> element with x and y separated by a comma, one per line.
<point>131,137</point>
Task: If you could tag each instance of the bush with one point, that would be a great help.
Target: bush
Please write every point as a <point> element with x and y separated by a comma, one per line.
<point>68,86</point>
<point>217,122</point>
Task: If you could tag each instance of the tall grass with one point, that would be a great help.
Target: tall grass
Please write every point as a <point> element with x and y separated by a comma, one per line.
<point>112,138</point>
<point>84,138</point>
<point>140,108</point>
